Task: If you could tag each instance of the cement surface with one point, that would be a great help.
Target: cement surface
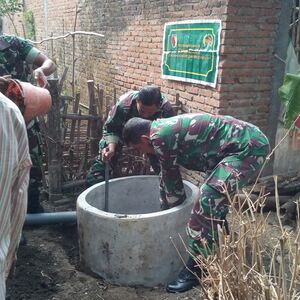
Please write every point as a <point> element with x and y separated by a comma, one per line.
<point>131,244</point>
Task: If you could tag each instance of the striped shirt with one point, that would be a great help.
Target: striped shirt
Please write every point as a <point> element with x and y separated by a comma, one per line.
<point>14,176</point>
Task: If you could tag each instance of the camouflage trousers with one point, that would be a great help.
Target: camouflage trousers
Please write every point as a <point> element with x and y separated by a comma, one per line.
<point>232,173</point>
<point>35,181</point>
<point>96,172</point>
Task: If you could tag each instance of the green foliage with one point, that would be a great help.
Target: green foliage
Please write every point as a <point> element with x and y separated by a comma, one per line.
<point>28,21</point>
<point>289,93</point>
<point>10,7</point>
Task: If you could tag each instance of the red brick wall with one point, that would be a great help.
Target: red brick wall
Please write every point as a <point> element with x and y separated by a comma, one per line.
<point>247,55</point>
<point>130,54</point>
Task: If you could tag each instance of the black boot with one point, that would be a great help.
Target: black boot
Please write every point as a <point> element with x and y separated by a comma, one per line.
<point>186,280</point>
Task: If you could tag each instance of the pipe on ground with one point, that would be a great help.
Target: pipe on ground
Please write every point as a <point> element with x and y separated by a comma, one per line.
<point>51,218</point>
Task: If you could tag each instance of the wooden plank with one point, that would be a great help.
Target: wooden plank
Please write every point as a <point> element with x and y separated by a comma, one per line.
<point>84,106</point>
<point>54,144</point>
<point>64,125</point>
<point>78,133</point>
<point>86,150</point>
<point>65,201</point>
<point>82,163</point>
<point>75,111</point>
<point>66,97</point>
<point>72,130</point>
<point>73,185</point>
<point>92,122</point>
<point>107,106</point>
<point>99,101</point>
<point>62,80</point>
<point>43,128</point>
<point>81,117</point>
<point>178,104</point>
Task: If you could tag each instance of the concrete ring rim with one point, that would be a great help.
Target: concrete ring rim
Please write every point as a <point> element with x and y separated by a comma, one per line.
<point>83,205</point>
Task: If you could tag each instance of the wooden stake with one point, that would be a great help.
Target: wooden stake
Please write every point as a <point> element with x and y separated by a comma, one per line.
<point>54,144</point>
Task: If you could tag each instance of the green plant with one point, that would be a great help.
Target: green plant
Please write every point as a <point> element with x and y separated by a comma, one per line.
<point>8,8</point>
<point>28,20</point>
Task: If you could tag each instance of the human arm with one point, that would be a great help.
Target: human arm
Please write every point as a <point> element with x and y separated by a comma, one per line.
<point>41,64</point>
<point>113,127</point>
<point>44,67</point>
<point>120,113</point>
<point>171,186</point>
<point>108,152</point>
<point>167,110</point>
<point>112,130</point>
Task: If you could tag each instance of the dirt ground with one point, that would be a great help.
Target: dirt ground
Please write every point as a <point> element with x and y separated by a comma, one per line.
<point>48,268</point>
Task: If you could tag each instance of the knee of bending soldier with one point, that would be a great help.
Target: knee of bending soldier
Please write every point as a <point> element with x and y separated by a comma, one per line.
<point>210,199</point>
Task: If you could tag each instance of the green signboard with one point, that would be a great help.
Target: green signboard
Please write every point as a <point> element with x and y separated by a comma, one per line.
<point>191,51</point>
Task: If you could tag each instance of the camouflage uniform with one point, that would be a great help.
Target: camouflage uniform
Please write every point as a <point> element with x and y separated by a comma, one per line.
<point>16,59</point>
<point>230,151</point>
<point>124,110</point>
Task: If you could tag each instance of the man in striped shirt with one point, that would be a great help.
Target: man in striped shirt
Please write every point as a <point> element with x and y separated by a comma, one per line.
<point>15,165</point>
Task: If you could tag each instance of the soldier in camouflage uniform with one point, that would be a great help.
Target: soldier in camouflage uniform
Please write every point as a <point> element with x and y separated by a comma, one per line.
<point>147,103</point>
<point>20,60</point>
<point>230,151</point>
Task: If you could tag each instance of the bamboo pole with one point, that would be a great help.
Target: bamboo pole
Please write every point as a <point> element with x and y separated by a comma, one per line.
<point>93,122</point>
<point>100,103</point>
<point>54,144</point>
<point>73,52</point>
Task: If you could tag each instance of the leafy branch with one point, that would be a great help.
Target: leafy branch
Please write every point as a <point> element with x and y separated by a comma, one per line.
<point>8,8</point>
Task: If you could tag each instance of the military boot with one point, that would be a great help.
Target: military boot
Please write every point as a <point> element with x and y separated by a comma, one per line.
<point>186,279</point>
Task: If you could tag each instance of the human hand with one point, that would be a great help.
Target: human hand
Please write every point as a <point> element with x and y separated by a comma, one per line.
<point>40,77</point>
<point>108,153</point>
<point>163,204</point>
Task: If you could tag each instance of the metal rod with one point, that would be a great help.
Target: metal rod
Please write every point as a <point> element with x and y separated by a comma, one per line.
<point>106,186</point>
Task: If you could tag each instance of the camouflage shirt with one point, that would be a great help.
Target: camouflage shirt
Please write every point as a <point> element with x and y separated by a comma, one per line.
<point>16,57</point>
<point>199,142</point>
<point>126,109</point>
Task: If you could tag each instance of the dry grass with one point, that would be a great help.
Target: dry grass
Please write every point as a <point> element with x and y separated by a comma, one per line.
<point>245,265</point>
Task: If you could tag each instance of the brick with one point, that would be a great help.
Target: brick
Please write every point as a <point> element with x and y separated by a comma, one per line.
<point>130,54</point>
<point>212,102</point>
